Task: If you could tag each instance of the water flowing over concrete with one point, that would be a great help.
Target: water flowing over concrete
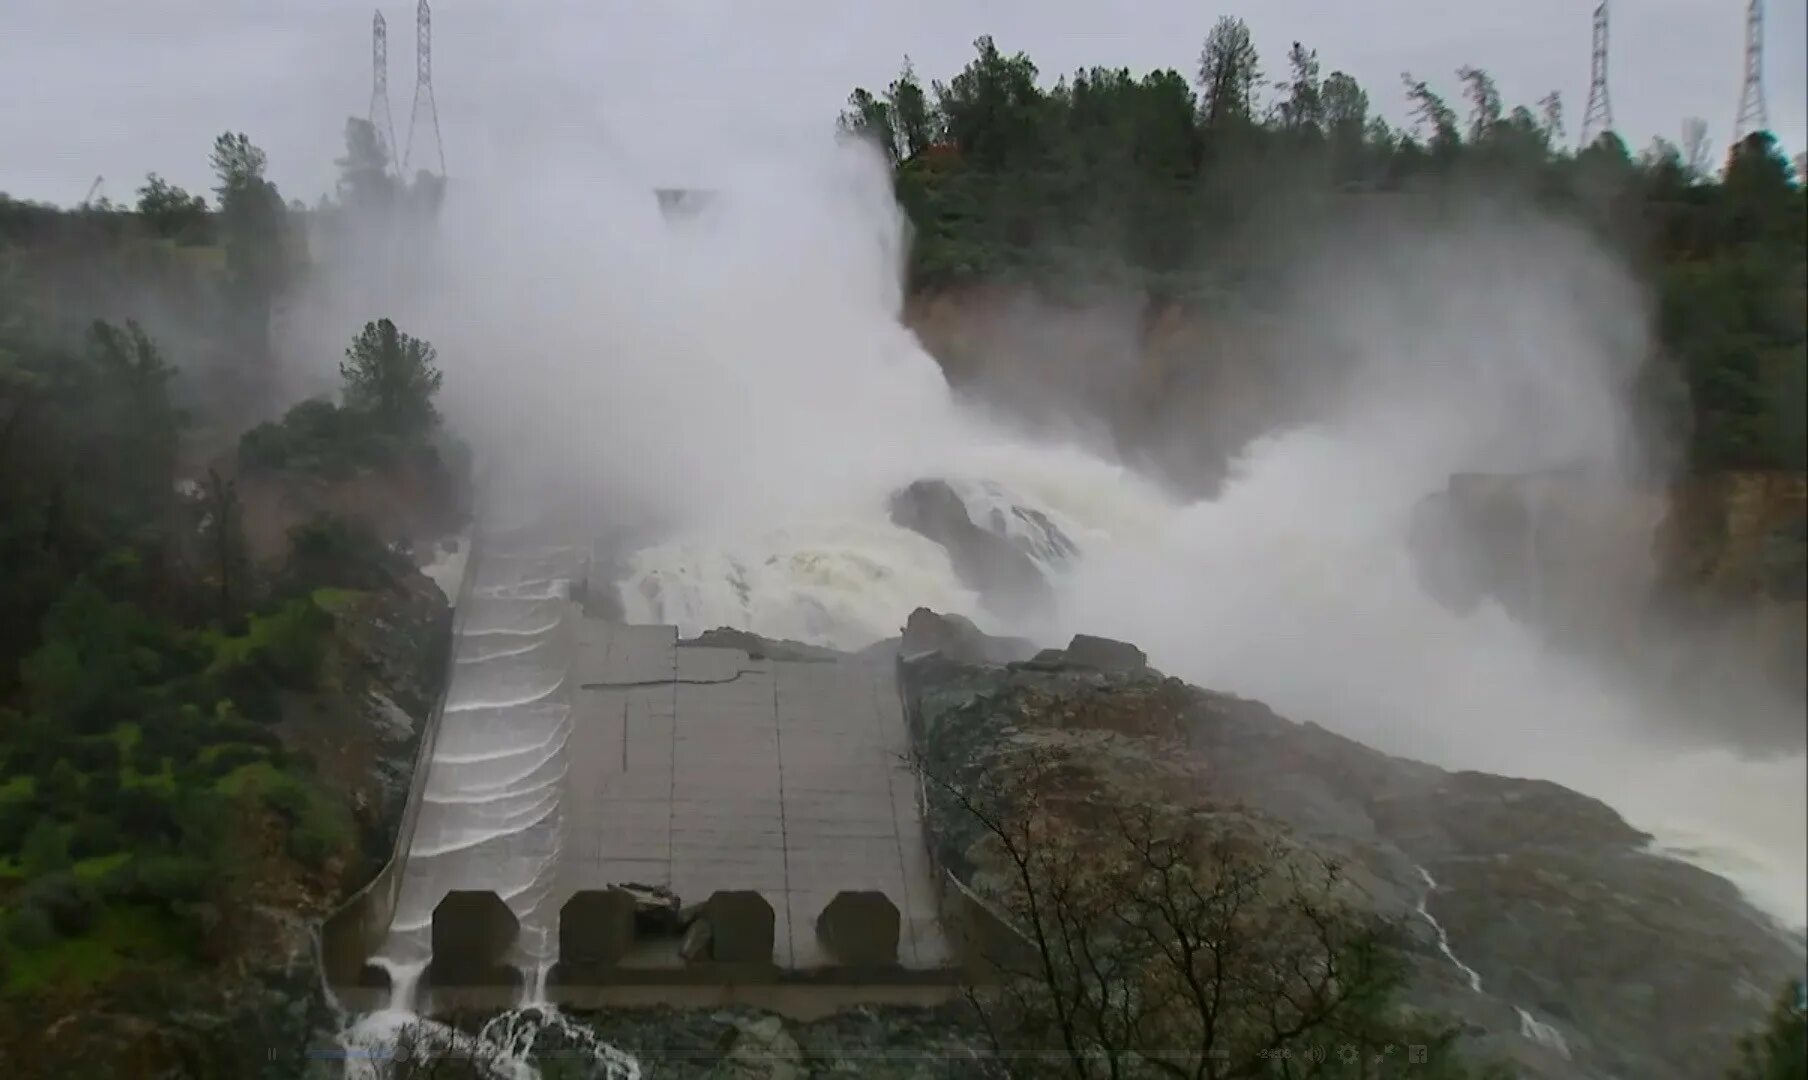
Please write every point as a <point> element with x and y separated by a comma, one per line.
<point>596,788</point>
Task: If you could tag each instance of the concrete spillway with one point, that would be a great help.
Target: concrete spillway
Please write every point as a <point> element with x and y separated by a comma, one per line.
<point>575,756</point>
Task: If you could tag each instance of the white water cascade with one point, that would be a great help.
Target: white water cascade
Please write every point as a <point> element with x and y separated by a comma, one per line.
<point>1294,587</point>
<point>492,806</point>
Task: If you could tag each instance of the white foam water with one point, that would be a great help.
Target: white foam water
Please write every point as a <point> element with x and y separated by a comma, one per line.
<point>1319,614</point>
<point>492,806</point>
<point>1530,1027</point>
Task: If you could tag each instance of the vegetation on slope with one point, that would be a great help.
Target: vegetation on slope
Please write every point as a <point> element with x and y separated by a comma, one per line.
<point>1200,193</point>
<point>148,795</point>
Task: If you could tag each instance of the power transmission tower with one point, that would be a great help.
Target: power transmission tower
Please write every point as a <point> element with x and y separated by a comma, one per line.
<point>1597,119</point>
<point>1752,114</point>
<point>379,85</point>
<point>423,88</point>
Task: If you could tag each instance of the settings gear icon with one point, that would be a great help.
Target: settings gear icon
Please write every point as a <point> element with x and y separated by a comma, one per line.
<point>1348,1054</point>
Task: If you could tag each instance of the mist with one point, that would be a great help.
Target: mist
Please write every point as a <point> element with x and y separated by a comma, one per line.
<point>730,397</point>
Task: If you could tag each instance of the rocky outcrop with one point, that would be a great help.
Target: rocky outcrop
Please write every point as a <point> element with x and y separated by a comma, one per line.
<point>1176,387</point>
<point>1540,921</point>
<point>958,639</point>
<point>876,1041</point>
<point>1007,579</point>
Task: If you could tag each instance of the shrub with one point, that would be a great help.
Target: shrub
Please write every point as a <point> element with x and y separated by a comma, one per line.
<point>329,551</point>
<point>29,928</point>
<point>94,835</point>
<point>45,848</point>
<point>162,878</point>
<point>292,642</point>
<point>317,438</point>
<point>145,815</point>
<point>68,903</point>
<point>228,758</point>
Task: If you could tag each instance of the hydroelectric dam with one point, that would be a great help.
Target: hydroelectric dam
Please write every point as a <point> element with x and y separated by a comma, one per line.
<point>602,814</point>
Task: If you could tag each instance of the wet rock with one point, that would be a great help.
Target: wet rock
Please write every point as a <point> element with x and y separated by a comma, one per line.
<point>958,639</point>
<point>655,907</point>
<point>695,945</point>
<point>1643,965</point>
<point>1104,654</point>
<point>1007,579</point>
<point>763,1049</point>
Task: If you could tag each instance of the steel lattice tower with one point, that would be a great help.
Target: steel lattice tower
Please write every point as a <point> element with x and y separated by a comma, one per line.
<point>423,88</point>
<point>1598,118</point>
<point>1752,114</point>
<point>379,85</point>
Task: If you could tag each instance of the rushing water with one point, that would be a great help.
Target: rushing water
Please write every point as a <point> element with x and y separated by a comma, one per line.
<point>490,815</point>
<point>1295,587</point>
<point>761,419</point>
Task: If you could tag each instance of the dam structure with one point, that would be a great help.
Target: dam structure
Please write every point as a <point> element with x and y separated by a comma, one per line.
<point>603,813</point>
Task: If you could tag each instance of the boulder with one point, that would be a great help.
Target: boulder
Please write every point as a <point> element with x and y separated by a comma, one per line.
<point>1008,580</point>
<point>958,639</point>
<point>655,907</point>
<point>1104,654</point>
<point>695,943</point>
<point>763,1049</point>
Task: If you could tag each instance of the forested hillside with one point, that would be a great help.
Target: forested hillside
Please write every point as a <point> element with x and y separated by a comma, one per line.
<point>1199,189</point>
<point>181,651</point>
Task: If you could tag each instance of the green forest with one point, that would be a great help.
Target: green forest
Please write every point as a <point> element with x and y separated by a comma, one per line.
<point>1177,185</point>
<point>147,652</point>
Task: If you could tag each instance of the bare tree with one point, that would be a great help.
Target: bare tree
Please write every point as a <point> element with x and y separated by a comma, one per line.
<point>1154,941</point>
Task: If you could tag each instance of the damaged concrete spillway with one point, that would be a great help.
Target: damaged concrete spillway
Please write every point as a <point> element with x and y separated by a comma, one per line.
<point>606,809</point>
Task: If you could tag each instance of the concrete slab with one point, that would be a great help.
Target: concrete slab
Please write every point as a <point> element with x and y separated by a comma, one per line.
<point>692,768</point>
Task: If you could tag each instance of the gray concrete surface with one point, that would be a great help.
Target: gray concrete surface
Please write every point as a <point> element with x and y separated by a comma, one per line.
<point>702,770</point>
<point>578,754</point>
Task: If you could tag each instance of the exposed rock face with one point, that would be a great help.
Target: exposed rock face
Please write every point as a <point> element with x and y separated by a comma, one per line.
<point>1593,957</point>
<point>1006,578</point>
<point>879,1042</point>
<point>1173,386</point>
<point>958,639</point>
<point>1699,593</point>
<point>1569,550</point>
<point>411,502</point>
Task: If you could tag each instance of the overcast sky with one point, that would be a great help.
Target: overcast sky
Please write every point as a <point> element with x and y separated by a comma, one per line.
<point>118,88</point>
